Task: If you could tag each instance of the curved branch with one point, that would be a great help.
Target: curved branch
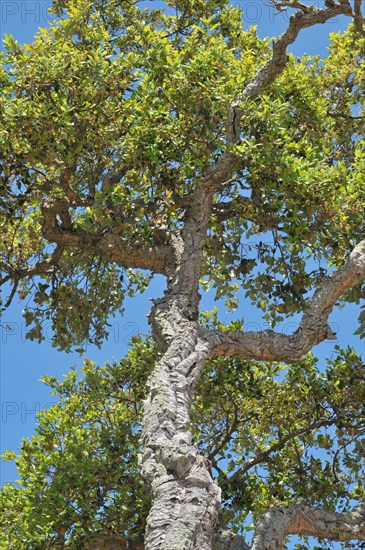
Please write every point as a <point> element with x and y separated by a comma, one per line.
<point>268,345</point>
<point>222,170</point>
<point>266,75</point>
<point>278,523</point>
<point>109,245</point>
<point>12,294</point>
<point>262,456</point>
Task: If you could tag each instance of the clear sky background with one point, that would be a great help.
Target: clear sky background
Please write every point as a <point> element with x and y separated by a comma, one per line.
<point>24,362</point>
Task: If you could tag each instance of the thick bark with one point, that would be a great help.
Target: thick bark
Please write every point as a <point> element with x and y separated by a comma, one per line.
<point>271,531</point>
<point>186,501</point>
<point>223,539</point>
<point>278,523</point>
<point>268,345</point>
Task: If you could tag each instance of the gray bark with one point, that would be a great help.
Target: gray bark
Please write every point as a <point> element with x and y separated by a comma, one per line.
<point>269,345</point>
<point>186,501</point>
<point>278,523</point>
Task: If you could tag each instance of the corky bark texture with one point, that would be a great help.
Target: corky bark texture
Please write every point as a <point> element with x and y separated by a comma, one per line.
<point>276,524</point>
<point>272,530</point>
<point>313,329</point>
<point>186,501</point>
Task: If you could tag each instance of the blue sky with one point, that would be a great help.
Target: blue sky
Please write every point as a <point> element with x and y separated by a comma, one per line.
<point>24,362</point>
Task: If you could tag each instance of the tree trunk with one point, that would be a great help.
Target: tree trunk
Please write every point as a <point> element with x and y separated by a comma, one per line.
<point>186,501</point>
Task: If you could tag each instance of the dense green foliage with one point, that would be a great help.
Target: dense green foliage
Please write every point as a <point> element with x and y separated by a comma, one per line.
<point>119,111</point>
<point>112,116</point>
<point>274,435</point>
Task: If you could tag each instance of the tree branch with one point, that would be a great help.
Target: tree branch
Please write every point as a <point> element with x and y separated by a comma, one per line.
<point>266,75</point>
<point>222,170</point>
<point>42,267</point>
<point>12,294</point>
<point>264,455</point>
<point>277,523</point>
<point>359,20</point>
<point>268,345</point>
<point>109,245</point>
<point>6,277</point>
<point>227,210</point>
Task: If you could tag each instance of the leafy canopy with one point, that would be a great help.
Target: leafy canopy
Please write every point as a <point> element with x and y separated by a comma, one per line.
<point>274,434</point>
<point>112,116</point>
<point>109,120</point>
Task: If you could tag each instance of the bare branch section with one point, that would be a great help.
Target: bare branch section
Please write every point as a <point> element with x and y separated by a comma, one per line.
<point>269,345</point>
<point>278,523</point>
<point>359,19</point>
<point>110,246</point>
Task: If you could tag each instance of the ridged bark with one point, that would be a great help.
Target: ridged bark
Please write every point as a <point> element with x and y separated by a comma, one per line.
<point>186,501</point>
